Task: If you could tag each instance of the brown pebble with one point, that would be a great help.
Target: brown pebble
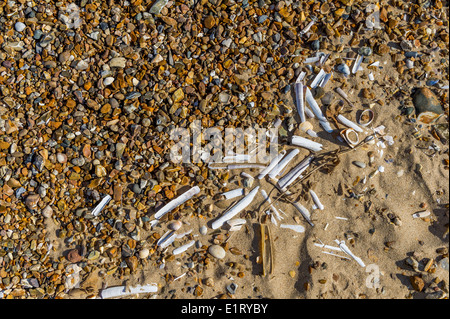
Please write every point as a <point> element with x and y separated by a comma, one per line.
<point>74,256</point>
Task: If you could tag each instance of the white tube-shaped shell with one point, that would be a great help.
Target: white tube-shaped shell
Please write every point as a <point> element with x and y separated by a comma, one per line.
<point>346,250</point>
<point>121,291</point>
<point>236,209</point>
<point>183,248</point>
<point>316,199</point>
<point>314,106</point>
<point>166,239</point>
<point>309,113</point>
<point>349,123</point>
<point>421,214</point>
<point>234,193</point>
<point>319,77</point>
<point>296,172</point>
<point>326,79</point>
<point>326,126</point>
<point>305,143</point>
<point>300,101</point>
<point>237,158</point>
<point>96,211</point>
<point>297,228</point>
<point>344,96</point>
<point>272,164</point>
<point>267,198</point>
<point>282,164</point>
<point>177,201</point>
<point>305,213</point>
<point>357,64</point>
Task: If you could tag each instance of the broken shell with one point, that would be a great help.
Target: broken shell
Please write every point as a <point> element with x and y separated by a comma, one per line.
<point>304,142</point>
<point>175,225</point>
<point>305,126</point>
<point>177,202</point>
<point>272,164</point>
<point>350,136</point>
<point>366,117</point>
<point>349,123</point>
<point>282,164</point>
<point>421,214</point>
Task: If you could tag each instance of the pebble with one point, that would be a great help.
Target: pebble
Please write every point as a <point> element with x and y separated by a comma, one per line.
<point>359,164</point>
<point>443,263</point>
<point>203,230</point>
<point>144,253</point>
<point>217,251</point>
<point>19,26</point>
<point>73,256</point>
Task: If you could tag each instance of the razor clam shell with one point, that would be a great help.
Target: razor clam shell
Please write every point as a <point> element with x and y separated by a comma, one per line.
<point>297,228</point>
<point>349,123</point>
<point>236,222</point>
<point>299,101</point>
<point>314,106</point>
<point>121,291</point>
<point>233,193</point>
<point>183,248</point>
<point>316,199</point>
<point>326,126</point>
<point>166,239</point>
<point>344,96</point>
<point>267,198</point>
<point>177,201</point>
<point>346,250</point>
<point>319,77</point>
<point>305,213</point>
<point>105,200</point>
<point>282,164</point>
<point>272,164</point>
<point>325,79</point>
<point>421,214</point>
<point>305,143</point>
<point>290,177</point>
<point>236,209</point>
<point>237,158</point>
<point>357,64</point>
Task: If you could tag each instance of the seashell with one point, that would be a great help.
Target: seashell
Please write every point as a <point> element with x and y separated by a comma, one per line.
<point>236,209</point>
<point>421,214</point>
<point>304,212</point>
<point>166,239</point>
<point>183,248</point>
<point>344,96</point>
<point>344,69</point>
<point>314,106</point>
<point>319,77</point>
<point>96,211</point>
<point>299,100</point>
<point>325,8</point>
<point>236,224</point>
<point>306,143</point>
<point>350,137</point>
<point>282,164</point>
<point>107,81</point>
<point>346,250</point>
<point>325,80</point>
<point>203,230</point>
<point>307,127</point>
<point>143,253</point>
<point>366,117</point>
<point>357,64</point>
<point>122,291</point>
<point>326,126</point>
<point>308,26</point>
<point>272,164</point>
<point>296,172</point>
<point>297,228</point>
<point>349,123</point>
<point>267,198</point>
<point>316,199</point>
<point>234,193</point>
<point>359,164</point>
<point>177,201</point>
<point>175,225</point>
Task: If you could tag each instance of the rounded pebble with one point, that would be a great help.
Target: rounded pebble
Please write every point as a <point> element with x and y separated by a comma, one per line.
<point>217,251</point>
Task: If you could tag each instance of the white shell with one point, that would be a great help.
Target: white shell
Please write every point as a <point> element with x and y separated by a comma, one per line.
<point>357,64</point>
<point>233,193</point>
<point>319,77</point>
<point>297,228</point>
<point>183,248</point>
<point>96,211</point>
<point>272,164</point>
<point>314,106</point>
<point>306,143</point>
<point>296,172</point>
<point>316,199</point>
<point>121,291</point>
<point>175,225</point>
<point>349,123</point>
<point>305,213</point>
<point>421,214</point>
<point>282,164</point>
<point>346,136</point>
<point>236,209</point>
<point>371,116</point>
<point>299,100</point>
<point>177,201</point>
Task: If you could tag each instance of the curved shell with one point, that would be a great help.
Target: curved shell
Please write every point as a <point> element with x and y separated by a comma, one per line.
<point>366,117</point>
<point>350,136</point>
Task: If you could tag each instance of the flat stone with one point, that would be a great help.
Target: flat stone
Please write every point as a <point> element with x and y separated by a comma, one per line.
<point>417,283</point>
<point>217,251</point>
<point>118,62</point>
<point>73,256</point>
<point>157,6</point>
<point>19,26</point>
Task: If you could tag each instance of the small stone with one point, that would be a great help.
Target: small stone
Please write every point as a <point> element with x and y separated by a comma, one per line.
<point>143,253</point>
<point>120,148</point>
<point>47,211</point>
<point>107,81</point>
<point>157,6</point>
<point>32,201</point>
<point>118,62</point>
<point>210,22</point>
<point>178,95</point>
<point>315,45</point>
<point>292,273</point>
<point>444,264</point>
<point>73,256</point>
<point>19,26</point>
<point>359,164</point>
<point>132,263</point>
<point>217,251</point>
<point>82,65</point>
<point>64,56</point>
<point>417,283</point>
<point>203,230</point>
